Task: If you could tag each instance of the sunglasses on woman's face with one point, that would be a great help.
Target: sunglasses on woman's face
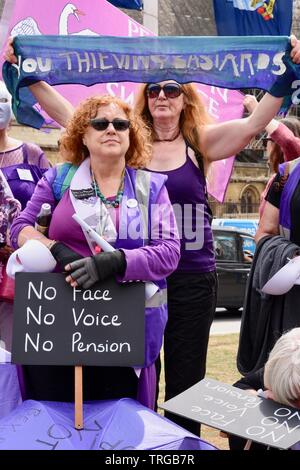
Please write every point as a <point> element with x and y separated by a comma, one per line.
<point>171,90</point>
<point>101,124</point>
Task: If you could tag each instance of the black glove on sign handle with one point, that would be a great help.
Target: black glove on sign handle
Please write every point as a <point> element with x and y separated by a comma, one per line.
<point>87,271</point>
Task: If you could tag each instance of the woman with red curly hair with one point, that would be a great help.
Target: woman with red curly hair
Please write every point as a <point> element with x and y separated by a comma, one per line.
<point>103,147</point>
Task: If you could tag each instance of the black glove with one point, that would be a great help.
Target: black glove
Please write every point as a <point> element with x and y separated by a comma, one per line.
<point>63,254</point>
<point>88,271</point>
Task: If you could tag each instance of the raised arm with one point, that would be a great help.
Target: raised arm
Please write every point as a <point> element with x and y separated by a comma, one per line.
<point>222,140</point>
<point>278,131</point>
<point>228,138</point>
<point>55,105</point>
<point>251,103</point>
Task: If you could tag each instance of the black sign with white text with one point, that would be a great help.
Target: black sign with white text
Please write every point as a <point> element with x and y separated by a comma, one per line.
<point>56,324</point>
<point>235,411</point>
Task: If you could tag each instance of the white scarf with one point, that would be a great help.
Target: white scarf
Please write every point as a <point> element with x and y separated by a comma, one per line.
<point>91,210</point>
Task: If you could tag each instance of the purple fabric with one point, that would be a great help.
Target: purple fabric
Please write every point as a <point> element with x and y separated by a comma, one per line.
<point>22,190</point>
<point>151,262</point>
<point>42,193</point>
<point>296,446</point>
<point>21,381</point>
<point>160,257</point>
<point>27,157</point>
<point>147,382</point>
<point>108,425</point>
<point>287,194</point>
<point>186,188</point>
<point>10,395</point>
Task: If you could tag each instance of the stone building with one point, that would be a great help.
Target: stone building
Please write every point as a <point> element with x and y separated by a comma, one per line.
<point>250,174</point>
<point>249,177</point>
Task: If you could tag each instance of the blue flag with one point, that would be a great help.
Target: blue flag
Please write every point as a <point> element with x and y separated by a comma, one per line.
<point>130,4</point>
<point>253,17</point>
<point>228,62</point>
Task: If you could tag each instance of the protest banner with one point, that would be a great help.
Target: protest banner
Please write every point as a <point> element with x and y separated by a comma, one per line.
<point>98,17</point>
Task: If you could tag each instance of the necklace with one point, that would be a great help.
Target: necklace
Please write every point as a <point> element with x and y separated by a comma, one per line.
<point>116,201</point>
<point>168,140</point>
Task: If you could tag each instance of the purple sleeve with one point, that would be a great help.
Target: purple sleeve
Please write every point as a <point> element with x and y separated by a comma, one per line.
<point>43,193</point>
<point>160,258</point>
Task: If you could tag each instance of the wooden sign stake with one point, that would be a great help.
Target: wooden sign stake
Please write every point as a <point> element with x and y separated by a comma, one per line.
<point>248,444</point>
<point>78,398</point>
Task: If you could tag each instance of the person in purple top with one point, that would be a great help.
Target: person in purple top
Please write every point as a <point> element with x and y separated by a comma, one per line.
<point>22,165</point>
<point>184,143</point>
<point>104,145</point>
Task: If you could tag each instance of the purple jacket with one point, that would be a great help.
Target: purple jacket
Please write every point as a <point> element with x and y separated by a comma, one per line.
<point>153,261</point>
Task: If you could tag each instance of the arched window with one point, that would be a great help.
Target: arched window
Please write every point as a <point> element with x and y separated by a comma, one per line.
<point>249,201</point>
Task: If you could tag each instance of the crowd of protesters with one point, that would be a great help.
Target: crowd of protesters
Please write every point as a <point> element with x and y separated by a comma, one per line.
<point>108,150</point>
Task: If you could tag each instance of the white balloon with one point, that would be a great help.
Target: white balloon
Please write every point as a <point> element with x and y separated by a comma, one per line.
<point>32,257</point>
<point>284,279</point>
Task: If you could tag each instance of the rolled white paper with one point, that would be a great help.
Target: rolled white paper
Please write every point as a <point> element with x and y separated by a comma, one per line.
<point>150,287</point>
<point>32,257</point>
<point>284,279</point>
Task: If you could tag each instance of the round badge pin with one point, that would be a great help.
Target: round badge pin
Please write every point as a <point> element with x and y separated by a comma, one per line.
<point>131,203</point>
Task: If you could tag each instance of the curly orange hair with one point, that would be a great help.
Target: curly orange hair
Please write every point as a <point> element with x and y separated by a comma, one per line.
<point>193,117</point>
<point>72,148</point>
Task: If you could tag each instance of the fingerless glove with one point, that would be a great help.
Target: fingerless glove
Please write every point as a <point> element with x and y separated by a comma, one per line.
<point>88,271</point>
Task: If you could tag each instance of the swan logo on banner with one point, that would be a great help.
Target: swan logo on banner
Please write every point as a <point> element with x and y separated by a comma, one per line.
<point>29,26</point>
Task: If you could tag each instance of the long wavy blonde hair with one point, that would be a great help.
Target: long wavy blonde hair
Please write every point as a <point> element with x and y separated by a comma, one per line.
<point>72,148</point>
<point>193,117</point>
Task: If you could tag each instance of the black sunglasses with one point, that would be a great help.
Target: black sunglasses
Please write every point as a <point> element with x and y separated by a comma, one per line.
<point>101,124</point>
<point>171,90</point>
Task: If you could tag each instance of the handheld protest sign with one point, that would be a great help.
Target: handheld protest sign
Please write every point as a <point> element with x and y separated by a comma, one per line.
<point>55,324</point>
<point>237,412</point>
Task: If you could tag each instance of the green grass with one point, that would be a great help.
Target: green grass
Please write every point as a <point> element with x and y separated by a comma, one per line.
<point>221,365</point>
